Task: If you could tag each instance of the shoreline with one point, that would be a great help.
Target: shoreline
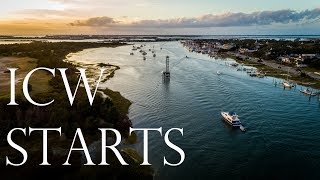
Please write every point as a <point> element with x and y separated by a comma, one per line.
<point>269,69</point>
<point>276,72</point>
<point>296,60</point>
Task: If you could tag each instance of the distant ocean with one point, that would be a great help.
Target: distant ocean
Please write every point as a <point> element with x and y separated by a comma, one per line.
<point>27,39</point>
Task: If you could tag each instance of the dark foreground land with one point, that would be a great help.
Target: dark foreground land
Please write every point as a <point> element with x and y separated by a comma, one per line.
<point>104,113</point>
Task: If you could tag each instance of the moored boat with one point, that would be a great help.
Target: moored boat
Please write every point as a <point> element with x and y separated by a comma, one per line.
<point>287,84</point>
<point>308,92</point>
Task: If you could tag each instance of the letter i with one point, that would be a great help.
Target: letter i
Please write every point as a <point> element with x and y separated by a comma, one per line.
<point>12,86</point>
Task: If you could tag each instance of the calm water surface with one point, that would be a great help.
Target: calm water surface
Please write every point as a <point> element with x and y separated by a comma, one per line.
<point>283,126</point>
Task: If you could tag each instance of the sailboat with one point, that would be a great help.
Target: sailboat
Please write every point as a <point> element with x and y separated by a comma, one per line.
<point>286,83</point>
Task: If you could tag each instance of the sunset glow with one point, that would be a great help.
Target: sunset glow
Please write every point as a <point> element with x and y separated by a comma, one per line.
<point>156,17</point>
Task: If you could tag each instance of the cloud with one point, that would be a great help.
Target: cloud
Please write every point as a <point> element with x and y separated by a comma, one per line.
<point>96,22</point>
<point>212,20</point>
<point>45,13</point>
<point>235,19</point>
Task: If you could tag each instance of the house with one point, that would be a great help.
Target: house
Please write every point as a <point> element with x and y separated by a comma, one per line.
<point>245,50</point>
<point>285,59</point>
<point>308,56</point>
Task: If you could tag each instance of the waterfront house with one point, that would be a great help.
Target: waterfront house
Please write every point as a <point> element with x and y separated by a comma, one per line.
<point>285,59</point>
<point>246,50</point>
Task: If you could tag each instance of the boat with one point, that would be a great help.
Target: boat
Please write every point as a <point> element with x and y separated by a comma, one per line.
<point>231,118</point>
<point>308,92</point>
<point>256,74</point>
<point>261,76</point>
<point>234,64</point>
<point>243,129</point>
<point>253,74</point>
<point>219,72</point>
<point>287,83</point>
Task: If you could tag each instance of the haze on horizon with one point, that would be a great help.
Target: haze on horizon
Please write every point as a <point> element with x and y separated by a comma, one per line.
<point>207,17</point>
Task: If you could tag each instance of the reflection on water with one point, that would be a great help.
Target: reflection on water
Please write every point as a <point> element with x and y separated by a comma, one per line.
<point>282,138</point>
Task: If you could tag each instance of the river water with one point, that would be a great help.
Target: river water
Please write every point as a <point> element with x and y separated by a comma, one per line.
<point>282,138</point>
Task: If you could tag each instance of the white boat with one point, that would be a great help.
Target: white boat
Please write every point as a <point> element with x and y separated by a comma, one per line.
<point>308,92</point>
<point>286,84</point>
<point>231,118</point>
<point>219,72</point>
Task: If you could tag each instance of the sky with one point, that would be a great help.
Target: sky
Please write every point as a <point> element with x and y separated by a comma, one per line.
<point>210,17</point>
